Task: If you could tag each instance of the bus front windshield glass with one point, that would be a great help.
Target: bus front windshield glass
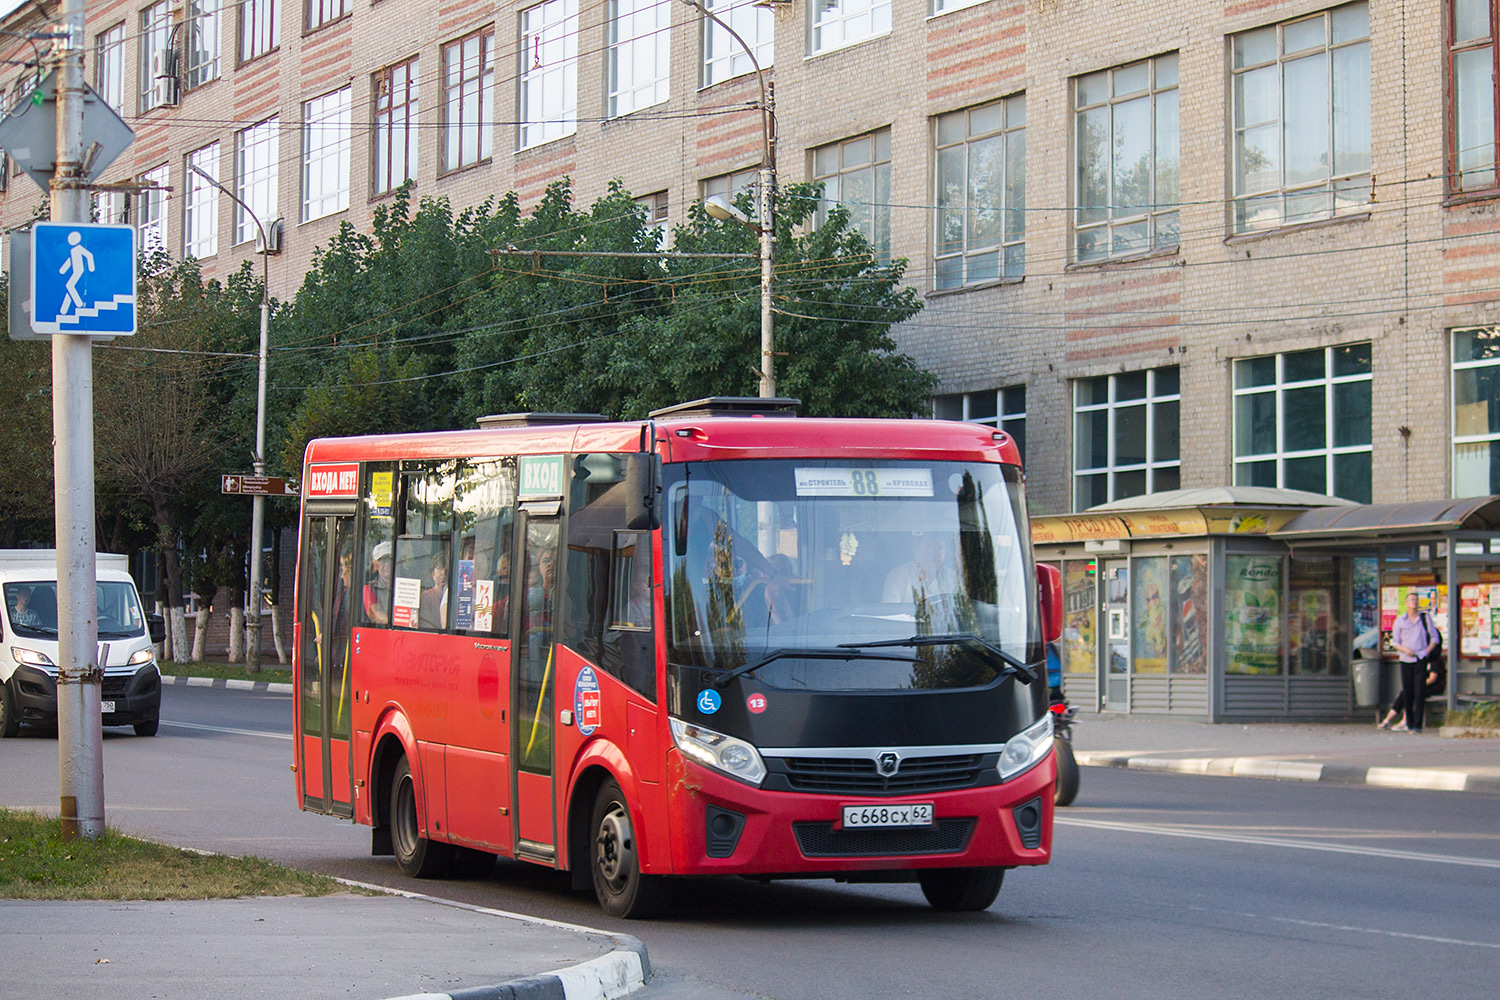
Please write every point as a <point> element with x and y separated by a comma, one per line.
<point>770,559</point>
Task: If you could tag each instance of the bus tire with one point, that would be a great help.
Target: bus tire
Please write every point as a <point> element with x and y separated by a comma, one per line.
<point>622,888</point>
<point>416,856</point>
<point>1066,789</point>
<point>961,890</point>
<point>10,719</point>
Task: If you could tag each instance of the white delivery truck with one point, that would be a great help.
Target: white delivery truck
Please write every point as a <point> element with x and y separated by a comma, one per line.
<point>131,690</point>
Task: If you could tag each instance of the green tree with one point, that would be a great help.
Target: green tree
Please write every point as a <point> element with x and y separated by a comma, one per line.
<point>26,503</point>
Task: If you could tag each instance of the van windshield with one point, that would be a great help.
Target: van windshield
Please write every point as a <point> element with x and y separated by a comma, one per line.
<point>32,609</point>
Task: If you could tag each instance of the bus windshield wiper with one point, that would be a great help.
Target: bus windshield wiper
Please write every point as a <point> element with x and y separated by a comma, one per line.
<point>1027,673</point>
<point>848,653</point>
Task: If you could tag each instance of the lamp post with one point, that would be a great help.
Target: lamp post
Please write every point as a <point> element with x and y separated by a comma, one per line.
<point>765,227</point>
<point>257,502</point>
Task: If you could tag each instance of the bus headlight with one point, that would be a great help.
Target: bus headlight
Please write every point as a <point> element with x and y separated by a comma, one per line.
<point>31,657</point>
<point>1027,747</point>
<point>735,758</point>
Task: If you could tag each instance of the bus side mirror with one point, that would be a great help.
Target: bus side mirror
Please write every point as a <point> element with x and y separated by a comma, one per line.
<point>642,484</point>
<point>1049,587</point>
<point>156,628</point>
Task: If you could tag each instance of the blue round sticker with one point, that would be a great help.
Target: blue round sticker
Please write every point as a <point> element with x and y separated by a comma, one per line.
<point>586,709</point>
<point>709,701</point>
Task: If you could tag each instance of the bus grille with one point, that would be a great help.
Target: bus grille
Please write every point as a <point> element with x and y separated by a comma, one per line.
<point>857,776</point>
<point>821,840</point>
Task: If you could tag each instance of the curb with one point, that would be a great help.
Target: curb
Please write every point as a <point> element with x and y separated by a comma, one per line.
<point>623,971</point>
<point>1288,770</point>
<point>264,687</point>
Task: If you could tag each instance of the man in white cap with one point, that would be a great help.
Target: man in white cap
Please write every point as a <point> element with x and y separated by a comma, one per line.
<point>378,590</point>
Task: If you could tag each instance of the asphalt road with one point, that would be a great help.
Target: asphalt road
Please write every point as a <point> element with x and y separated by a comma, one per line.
<point>1161,886</point>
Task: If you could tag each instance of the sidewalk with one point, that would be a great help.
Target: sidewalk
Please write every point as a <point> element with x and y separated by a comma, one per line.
<point>1342,753</point>
<point>362,947</point>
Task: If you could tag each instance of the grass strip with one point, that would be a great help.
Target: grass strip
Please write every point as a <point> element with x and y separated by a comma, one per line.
<point>36,863</point>
<point>1485,716</point>
<point>271,675</point>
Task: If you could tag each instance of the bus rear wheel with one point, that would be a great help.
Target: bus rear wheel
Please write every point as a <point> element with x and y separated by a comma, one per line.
<point>415,854</point>
<point>961,890</point>
<point>623,889</point>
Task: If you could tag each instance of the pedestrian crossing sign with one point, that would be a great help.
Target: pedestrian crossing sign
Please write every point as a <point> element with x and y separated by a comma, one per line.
<point>83,278</point>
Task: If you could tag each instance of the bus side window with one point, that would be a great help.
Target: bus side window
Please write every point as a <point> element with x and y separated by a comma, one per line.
<point>374,568</point>
<point>629,651</point>
<point>484,515</point>
<point>424,551</point>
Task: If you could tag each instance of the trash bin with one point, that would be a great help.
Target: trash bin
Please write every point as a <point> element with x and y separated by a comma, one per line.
<point>1367,683</point>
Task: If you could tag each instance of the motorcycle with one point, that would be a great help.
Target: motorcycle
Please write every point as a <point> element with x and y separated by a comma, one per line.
<point>1066,789</point>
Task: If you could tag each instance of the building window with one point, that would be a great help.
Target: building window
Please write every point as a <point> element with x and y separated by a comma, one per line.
<point>325,155</point>
<point>202,42</point>
<point>549,72</point>
<point>856,173</point>
<point>943,6</point>
<point>1476,411</point>
<point>1302,421</point>
<point>110,67</point>
<point>639,43</point>
<point>731,186</point>
<point>656,216</point>
<point>396,125</point>
<point>156,68</point>
<point>151,209</point>
<point>723,59</point>
<point>1472,75</point>
<point>1003,408</point>
<point>321,12</point>
<point>1126,151</point>
<point>1302,119</point>
<point>256,176</point>
<point>1125,436</point>
<point>200,224</point>
<point>468,93</point>
<point>981,193</point>
<point>260,27</point>
<point>837,23</point>
<point>110,207</point>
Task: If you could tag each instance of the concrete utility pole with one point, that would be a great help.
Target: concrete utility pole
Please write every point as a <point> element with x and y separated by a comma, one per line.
<point>80,741</point>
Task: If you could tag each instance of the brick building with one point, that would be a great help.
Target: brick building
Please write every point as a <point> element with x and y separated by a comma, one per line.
<point>1174,243</point>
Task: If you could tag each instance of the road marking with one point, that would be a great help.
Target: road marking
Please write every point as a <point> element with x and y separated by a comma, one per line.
<point>227,729</point>
<point>1431,938</point>
<point>1303,845</point>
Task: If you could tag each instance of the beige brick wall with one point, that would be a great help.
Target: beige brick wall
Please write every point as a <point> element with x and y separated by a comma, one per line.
<point>1398,276</point>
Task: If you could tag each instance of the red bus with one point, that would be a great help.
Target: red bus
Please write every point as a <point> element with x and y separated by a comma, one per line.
<point>725,640</point>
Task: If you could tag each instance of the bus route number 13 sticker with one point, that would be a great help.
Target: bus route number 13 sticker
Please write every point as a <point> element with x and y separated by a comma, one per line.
<point>586,710</point>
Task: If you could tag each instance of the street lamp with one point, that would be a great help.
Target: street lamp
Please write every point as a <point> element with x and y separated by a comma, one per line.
<point>257,502</point>
<point>766,226</point>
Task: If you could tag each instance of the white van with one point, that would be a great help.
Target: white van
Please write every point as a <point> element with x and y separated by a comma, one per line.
<point>131,691</point>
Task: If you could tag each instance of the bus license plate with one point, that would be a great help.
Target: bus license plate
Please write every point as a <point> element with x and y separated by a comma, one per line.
<point>107,708</point>
<point>909,814</point>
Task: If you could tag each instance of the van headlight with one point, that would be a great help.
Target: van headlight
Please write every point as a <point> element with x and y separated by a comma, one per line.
<point>140,656</point>
<point>735,758</point>
<point>1023,750</point>
<point>31,657</point>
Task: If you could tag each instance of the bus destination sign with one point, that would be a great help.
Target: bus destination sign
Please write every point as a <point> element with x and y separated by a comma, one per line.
<point>335,480</point>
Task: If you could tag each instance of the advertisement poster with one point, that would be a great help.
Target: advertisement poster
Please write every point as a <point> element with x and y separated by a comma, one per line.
<point>464,617</point>
<point>1189,613</point>
<point>381,489</point>
<point>484,606</point>
<point>1432,598</point>
<point>1150,612</point>
<point>1479,619</point>
<point>1080,597</point>
<point>408,598</point>
<point>1252,623</point>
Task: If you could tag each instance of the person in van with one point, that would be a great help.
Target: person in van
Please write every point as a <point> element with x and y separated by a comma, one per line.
<point>23,613</point>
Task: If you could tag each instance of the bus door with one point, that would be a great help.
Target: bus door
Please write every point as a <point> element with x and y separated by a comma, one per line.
<point>324,747</point>
<point>533,673</point>
<point>1114,593</point>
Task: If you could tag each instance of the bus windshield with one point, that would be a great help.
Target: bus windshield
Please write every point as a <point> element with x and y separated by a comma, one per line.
<point>769,557</point>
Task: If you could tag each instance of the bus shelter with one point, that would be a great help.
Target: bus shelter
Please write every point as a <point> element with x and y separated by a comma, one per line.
<point>1254,603</point>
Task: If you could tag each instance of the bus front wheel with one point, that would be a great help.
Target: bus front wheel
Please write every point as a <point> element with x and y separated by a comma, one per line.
<point>961,890</point>
<point>623,889</point>
<point>415,854</point>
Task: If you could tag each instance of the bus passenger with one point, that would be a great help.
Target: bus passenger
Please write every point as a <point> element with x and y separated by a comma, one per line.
<point>378,590</point>
<point>433,612</point>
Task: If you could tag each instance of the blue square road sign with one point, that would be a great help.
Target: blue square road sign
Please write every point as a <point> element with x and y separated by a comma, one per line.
<point>82,278</point>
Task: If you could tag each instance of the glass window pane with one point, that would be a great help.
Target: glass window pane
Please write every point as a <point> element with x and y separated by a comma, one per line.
<point>1165,431</point>
<point>951,128</point>
<point>1301,35</point>
<point>1132,79</point>
<point>1255,424</point>
<point>1471,19</point>
<point>1257,165</point>
<point>1353,21</point>
<point>1130,435</point>
<point>1302,366</point>
<point>1091,440</point>
<point>990,118</point>
<point>1255,371</point>
<point>1131,145</point>
<point>1476,344</point>
<point>1131,385</point>
<point>1090,491</point>
<point>1166,70</point>
<point>1015,193</point>
<point>1255,473</point>
<point>1309,474</point>
<point>1257,97</point>
<point>982,405</point>
<point>1164,381</point>
<point>1093,89</point>
<point>1013,400</point>
<point>1015,111</point>
<point>1351,110</point>
<point>1167,477</point>
<point>1351,359</point>
<point>1253,47</point>
<point>1351,476</point>
<point>986,191</point>
<point>1129,484</point>
<point>1167,153</point>
<point>948,407</point>
<point>1167,230</point>
<point>983,267</point>
<point>1307,119</point>
<point>1474,118</point>
<point>1304,419</point>
<point>1095,390</point>
<point>1476,402</point>
<point>1476,469</point>
<point>1351,414</point>
<point>1093,166</point>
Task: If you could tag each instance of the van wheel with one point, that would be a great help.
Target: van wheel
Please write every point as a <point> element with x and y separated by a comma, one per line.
<point>415,854</point>
<point>961,890</point>
<point>10,719</point>
<point>623,889</point>
<point>147,728</point>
